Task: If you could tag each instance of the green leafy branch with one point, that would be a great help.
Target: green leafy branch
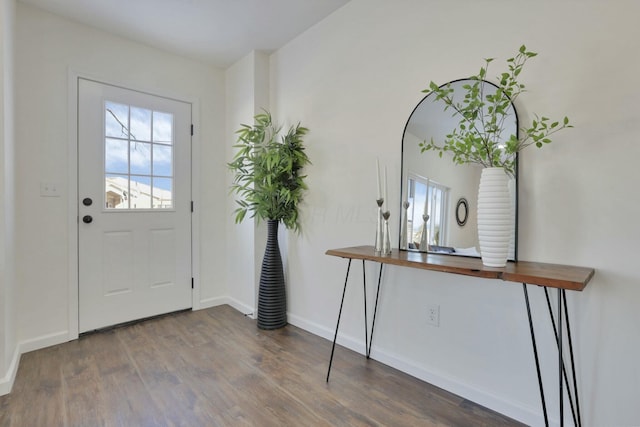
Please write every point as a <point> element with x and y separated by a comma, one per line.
<point>478,137</point>
<point>267,169</point>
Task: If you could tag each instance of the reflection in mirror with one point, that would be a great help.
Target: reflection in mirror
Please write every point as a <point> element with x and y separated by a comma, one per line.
<point>426,214</point>
<point>462,212</point>
<point>433,185</point>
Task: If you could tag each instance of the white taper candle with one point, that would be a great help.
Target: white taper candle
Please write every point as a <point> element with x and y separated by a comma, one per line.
<point>378,177</point>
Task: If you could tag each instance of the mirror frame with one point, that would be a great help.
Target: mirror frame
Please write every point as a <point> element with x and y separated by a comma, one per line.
<point>402,175</point>
<point>462,202</point>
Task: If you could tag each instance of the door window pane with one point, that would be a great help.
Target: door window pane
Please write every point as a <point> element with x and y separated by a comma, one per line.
<point>140,192</point>
<point>138,149</point>
<point>162,127</point>
<point>116,191</point>
<point>116,156</point>
<point>116,120</point>
<point>140,158</point>
<point>162,160</point>
<point>140,124</point>
<point>162,191</point>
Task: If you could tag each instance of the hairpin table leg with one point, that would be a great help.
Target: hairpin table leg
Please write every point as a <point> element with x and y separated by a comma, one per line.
<point>535,355</point>
<point>366,322</point>
<point>375,310</point>
<point>335,337</point>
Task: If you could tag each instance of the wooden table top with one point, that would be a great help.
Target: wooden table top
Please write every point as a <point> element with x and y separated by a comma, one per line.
<point>534,273</point>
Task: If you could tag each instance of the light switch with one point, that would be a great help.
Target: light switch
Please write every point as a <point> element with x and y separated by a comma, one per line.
<point>49,189</point>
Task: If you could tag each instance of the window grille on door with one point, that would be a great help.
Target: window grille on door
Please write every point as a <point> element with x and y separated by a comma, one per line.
<point>138,153</point>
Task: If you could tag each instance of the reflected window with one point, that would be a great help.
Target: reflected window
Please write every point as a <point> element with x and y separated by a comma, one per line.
<point>138,153</point>
<point>429,199</point>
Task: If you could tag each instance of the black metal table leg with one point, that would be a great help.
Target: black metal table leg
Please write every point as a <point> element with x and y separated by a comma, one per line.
<point>560,360</point>
<point>335,337</point>
<point>366,322</point>
<point>535,355</point>
<point>558,330</point>
<point>573,365</point>
<point>575,411</point>
<point>375,311</point>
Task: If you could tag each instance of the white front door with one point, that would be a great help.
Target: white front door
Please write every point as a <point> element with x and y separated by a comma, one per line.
<point>134,207</point>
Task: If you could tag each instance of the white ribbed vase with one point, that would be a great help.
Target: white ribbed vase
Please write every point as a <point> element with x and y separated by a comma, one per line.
<point>495,225</point>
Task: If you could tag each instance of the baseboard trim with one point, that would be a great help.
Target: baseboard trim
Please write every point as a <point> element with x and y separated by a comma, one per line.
<point>515,410</point>
<point>6,383</point>
<point>44,341</point>
<point>241,307</point>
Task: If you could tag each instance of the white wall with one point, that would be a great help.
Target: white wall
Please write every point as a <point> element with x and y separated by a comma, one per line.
<point>354,79</point>
<point>247,94</point>
<point>8,344</point>
<point>48,47</point>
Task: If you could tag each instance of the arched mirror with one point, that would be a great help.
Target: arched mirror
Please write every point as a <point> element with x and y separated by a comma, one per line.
<point>432,217</point>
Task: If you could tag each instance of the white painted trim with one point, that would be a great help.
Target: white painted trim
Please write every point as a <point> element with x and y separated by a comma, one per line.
<point>72,132</point>
<point>195,197</point>
<point>43,341</point>
<point>234,303</point>
<point>6,383</point>
<point>72,168</point>
<point>526,414</point>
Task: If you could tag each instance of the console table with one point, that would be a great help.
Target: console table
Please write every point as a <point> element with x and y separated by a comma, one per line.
<point>560,277</point>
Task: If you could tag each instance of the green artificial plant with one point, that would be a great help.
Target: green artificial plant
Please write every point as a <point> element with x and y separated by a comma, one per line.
<point>267,170</point>
<point>478,137</point>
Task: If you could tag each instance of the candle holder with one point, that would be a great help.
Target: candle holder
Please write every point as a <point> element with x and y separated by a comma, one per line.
<point>403,229</point>
<point>378,245</point>
<point>386,241</point>
<point>424,240</point>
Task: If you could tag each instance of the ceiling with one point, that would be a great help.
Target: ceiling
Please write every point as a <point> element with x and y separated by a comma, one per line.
<point>218,32</point>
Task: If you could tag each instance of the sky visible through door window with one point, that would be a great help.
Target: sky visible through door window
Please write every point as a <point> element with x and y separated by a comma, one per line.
<point>138,167</point>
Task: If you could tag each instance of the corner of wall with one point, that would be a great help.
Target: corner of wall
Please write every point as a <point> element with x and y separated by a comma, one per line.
<point>247,94</point>
<point>6,383</point>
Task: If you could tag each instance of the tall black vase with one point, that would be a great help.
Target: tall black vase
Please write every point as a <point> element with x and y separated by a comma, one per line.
<point>272,299</point>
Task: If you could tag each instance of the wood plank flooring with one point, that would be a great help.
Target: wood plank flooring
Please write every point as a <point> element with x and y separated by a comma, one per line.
<point>215,368</point>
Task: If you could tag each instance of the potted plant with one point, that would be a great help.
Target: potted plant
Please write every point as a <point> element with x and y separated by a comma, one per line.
<point>479,138</point>
<point>269,186</point>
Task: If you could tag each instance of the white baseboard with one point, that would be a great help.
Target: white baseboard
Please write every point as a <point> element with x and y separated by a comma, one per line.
<point>6,383</point>
<point>351,343</point>
<point>528,415</point>
<point>43,341</point>
<point>525,414</point>
<point>214,302</point>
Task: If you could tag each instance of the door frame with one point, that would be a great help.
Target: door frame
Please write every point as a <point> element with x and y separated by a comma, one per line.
<point>73,208</point>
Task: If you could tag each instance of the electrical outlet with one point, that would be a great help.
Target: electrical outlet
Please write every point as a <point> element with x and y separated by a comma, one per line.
<point>433,314</point>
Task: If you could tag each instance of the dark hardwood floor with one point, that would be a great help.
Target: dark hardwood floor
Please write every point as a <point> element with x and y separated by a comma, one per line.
<point>215,368</point>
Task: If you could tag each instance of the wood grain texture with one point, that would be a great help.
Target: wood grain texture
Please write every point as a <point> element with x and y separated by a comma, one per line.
<point>533,273</point>
<point>214,367</point>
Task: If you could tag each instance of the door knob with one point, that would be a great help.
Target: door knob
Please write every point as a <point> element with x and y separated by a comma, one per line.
<point>87,219</point>
<point>87,201</point>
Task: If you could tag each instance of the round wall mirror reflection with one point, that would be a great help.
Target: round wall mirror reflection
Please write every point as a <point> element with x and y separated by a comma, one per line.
<point>462,212</point>
<point>433,185</point>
